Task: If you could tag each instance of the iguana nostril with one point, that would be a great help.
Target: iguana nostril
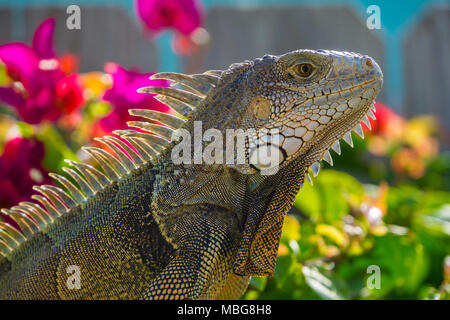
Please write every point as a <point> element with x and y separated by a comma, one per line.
<point>369,62</point>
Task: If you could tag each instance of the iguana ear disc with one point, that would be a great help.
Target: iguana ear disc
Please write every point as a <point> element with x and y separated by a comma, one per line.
<point>260,108</point>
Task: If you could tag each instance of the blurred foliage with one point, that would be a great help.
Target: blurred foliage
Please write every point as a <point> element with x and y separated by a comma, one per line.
<point>341,230</point>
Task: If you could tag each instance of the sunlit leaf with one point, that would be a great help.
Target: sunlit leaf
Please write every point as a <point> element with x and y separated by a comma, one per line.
<point>327,200</point>
<point>323,283</point>
<point>56,149</point>
<point>258,283</point>
<point>332,233</point>
<point>291,229</point>
<point>26,130</point>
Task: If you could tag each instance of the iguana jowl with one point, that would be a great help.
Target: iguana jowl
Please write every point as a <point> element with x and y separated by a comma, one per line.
<point>143,227</point>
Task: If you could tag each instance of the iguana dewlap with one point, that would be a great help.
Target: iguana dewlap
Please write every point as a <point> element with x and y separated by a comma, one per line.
<point>142,226</point>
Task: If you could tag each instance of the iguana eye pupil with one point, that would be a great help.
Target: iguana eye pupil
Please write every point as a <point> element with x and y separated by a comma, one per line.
<point>304,69</point>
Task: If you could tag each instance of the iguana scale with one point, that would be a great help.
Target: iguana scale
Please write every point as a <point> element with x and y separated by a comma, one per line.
<point>143,227</point>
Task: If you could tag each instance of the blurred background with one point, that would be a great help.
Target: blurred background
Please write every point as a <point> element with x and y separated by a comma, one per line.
<point>69,71</point>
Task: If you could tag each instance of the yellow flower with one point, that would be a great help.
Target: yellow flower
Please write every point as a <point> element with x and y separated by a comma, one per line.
<point>95,83</point>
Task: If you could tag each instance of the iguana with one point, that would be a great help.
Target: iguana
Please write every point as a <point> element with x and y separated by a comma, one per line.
<point>140,226</point>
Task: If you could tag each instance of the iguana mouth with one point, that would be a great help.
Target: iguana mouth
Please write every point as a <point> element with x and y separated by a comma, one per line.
<point>329,139</point>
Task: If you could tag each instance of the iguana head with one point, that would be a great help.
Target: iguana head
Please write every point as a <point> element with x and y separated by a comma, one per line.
<point>303,102</point>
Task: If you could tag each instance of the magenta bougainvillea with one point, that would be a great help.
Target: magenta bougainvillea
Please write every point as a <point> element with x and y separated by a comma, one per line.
<point>183,15</point>
<point>123,95</point>
<point>39,89</point>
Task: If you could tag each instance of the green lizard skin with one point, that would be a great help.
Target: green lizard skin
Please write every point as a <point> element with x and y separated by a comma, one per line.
<point>140,226</point>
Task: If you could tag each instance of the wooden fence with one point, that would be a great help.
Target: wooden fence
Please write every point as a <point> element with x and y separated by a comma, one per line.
<point>110,34</point>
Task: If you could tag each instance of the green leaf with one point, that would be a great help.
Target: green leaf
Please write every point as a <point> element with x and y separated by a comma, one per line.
<point>327,201</point>
<point>3,76</point>
<point>323,283</point>
<point>437,222</point>
<point>96,110</point>
<point>26,130</point>
<point>56,149</point>
<point>403,265</point>
<point>259,283</point>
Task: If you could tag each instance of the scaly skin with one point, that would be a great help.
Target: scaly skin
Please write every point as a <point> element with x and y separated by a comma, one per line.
<point>160,230</point>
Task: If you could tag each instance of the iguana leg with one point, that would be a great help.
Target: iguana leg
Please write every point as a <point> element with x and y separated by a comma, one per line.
<point>202,265</point>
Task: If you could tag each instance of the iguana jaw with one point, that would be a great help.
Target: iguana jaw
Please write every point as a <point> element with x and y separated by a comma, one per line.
<point>328,139</point>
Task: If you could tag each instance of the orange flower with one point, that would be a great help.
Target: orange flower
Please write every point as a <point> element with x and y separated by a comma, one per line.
<point>407,162</point>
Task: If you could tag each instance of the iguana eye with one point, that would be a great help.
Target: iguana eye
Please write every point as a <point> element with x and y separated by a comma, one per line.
<point>304,69</point>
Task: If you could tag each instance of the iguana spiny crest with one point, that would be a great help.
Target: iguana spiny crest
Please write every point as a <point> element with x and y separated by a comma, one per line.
<point>298,105</point>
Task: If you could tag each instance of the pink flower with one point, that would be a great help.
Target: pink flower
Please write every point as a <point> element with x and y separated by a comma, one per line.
<point>40,88</point>
<point>123,96</point>
<point>183,15</point>
<point>20,169</point>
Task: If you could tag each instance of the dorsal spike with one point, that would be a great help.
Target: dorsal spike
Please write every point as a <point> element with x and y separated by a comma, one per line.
<point>9,238</point>
<point>180,107</point>
<point>143,144</point>
<point>123,158</point>
<point>212,79</point>
<point>177,85</point>
<point>76,193</point>
<point>132,153</point>
<point>157,142</point>
<point>40,219</point>
<point>92,175</point>
<point>198,86</point>
<point>370,113</point>
<point>101,177</point>
<point>182,95</point>
<point>167,119</point>
<point>124,132</point>
<point>13,232</point>
<point>145,154</point>
<point>120,168</point>
<point>5,249</point>
<point>51,210</point>
<point>103,163</point>
<point>162,131</point>
<point>27,226</point>
<point>37,210</point>
<point>216,73</point>
<point>60,206</point>
<point>66,199</point>
<point>85,187</point>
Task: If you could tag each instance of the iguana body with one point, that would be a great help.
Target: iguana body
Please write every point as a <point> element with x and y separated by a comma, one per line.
<point>151,229</point>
